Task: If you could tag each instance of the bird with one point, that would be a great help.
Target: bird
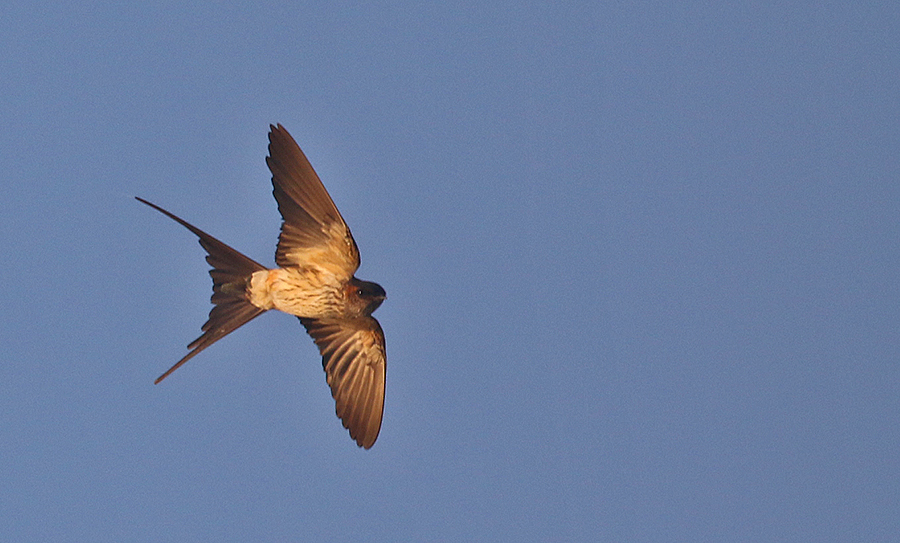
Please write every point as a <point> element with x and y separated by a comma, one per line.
<point>314,279</point>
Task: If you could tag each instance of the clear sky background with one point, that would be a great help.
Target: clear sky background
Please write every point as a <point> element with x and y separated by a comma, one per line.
<point>641,262</point>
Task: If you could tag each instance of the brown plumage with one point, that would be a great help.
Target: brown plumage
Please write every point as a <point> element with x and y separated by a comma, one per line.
<point>317,259</point>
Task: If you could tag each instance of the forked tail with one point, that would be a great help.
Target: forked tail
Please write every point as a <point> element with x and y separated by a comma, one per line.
<point>230,273</point>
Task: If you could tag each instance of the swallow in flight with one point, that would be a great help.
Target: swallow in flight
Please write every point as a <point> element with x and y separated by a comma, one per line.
<point>314,280</point>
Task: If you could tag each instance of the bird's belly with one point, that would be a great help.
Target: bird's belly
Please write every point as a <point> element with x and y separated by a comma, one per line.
<point>297,291</point>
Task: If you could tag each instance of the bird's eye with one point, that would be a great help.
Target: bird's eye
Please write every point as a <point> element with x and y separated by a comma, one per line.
<point>359,292</point>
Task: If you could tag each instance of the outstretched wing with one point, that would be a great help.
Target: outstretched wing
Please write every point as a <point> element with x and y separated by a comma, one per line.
<point>313,232</point>
<point>354,359</point>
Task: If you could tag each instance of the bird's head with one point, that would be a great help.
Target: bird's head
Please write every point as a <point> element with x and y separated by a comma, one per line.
<point>365,296</point>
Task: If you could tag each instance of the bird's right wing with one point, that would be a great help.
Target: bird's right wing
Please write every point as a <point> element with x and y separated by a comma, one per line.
<point>313,231</point>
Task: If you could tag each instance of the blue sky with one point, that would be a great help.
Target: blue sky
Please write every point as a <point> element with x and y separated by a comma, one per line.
<point>641,262</point>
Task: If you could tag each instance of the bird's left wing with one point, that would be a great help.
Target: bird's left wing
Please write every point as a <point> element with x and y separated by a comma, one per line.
<point>354,359</point>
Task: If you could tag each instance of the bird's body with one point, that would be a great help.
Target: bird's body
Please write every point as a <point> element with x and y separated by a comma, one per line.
<point>317,258</point>
<point>304,292</point>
